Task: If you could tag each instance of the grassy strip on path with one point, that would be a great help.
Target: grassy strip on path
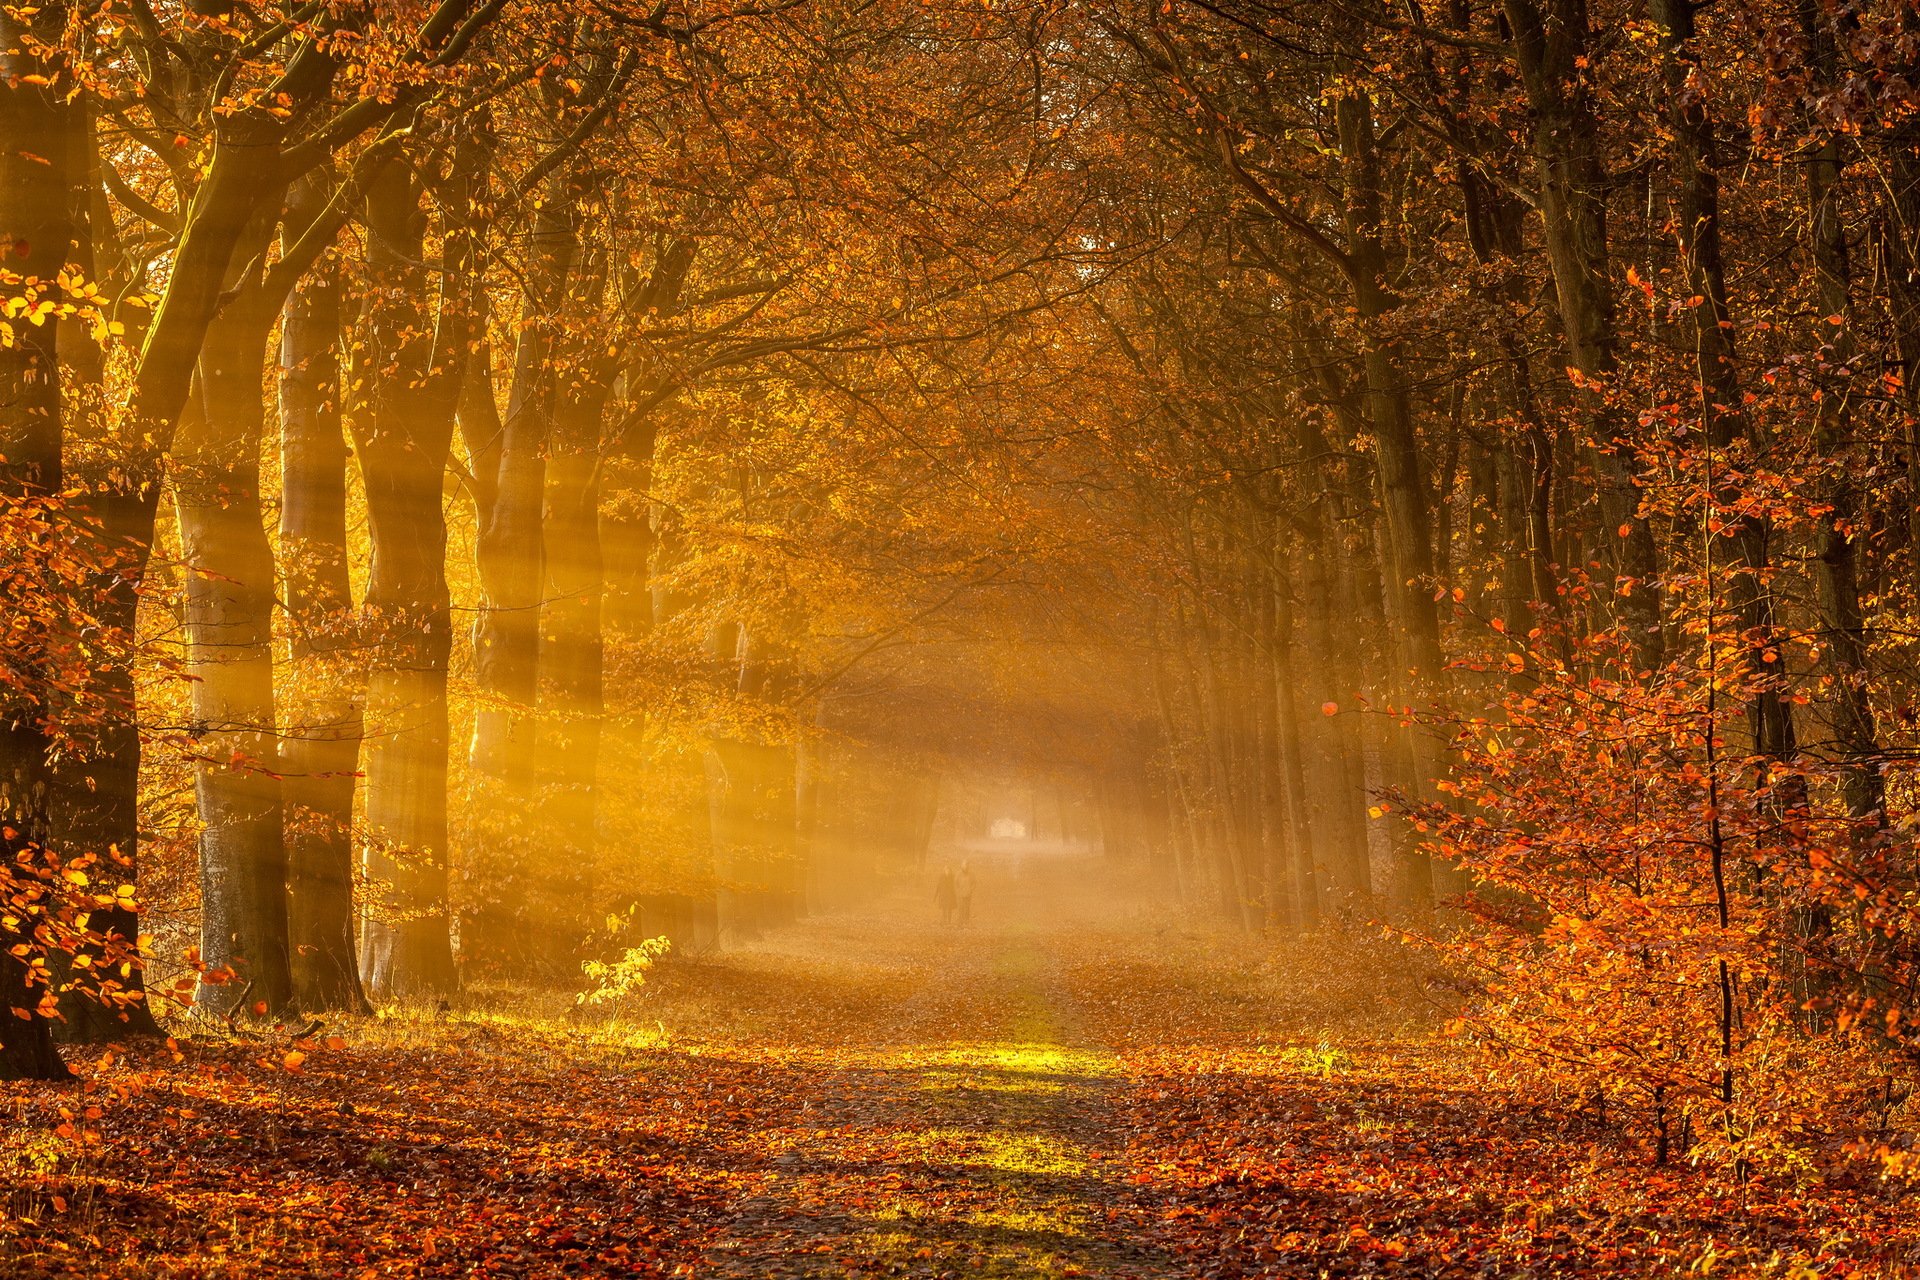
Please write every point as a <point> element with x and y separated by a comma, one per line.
<point>970,1140</point>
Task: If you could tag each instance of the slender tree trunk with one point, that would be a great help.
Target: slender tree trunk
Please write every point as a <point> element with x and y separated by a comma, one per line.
<point>1283,910</point>
<point>1230,854</point>
<point>505,918</point>
<point>509,551</point>
<point>1336,790</point>
<point>1291,762</point>
<point>1899,234</point>
<point>810,768</point>
<point>1741,545</point>
<point>1407,563</point>
<point>1844,634</point>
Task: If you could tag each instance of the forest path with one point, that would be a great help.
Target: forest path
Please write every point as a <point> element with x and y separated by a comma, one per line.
<point>1085,1083</point>
<point>964,1125</point>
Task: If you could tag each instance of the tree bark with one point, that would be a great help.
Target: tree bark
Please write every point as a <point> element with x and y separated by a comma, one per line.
<point>1291,747</point>
<point>36,224</point>
<point>1407,563</point>
<point>321,746</point>
<point>1739,544</point>
<point>1550,44</point>
<point>572,698</point>
<point>509,549</point>
<point>1844,633</point>
<point>229,639</point>
<point>87,812</point>
<point>414,363</point>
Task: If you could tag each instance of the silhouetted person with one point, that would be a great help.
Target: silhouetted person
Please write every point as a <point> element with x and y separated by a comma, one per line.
<point>963,893</point>
<point>944,895</point>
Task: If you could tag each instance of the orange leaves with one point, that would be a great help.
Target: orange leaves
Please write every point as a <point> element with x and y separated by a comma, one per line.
<point>1612,822</point>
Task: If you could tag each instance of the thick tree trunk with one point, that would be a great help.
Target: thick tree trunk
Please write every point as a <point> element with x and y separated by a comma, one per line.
<point>103,806</point>
<point>36,220</point>
<point>1551,46</point>
<point>572,699</point>
<point>88,812</point>
<point>321,747</point>
<point>414,364</point>
<point>229,637</point>
<point>509,550</point>
<point>245,169</point>
<point>27,1050</point>
<point>1419,675</point>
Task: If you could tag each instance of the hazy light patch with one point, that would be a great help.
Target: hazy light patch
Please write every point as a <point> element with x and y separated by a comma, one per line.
<point>973,1082</point>
<point>997,1152</point>
<point>1036,1222</point>
<point>1026,1058</point>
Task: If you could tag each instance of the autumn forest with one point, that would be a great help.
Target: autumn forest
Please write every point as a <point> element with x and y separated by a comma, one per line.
<point>1125,638</point>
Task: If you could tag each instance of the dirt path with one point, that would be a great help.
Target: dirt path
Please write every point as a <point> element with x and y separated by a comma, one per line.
<point>968,1131</point>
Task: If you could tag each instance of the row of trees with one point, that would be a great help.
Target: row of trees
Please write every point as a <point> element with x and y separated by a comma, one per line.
<point>1456,466</point>
<point>562,319</point>
<point>1533,485</point>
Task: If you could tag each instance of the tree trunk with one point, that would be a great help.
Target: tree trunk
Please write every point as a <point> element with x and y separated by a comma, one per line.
<point>1282,908</point>
<point>1336,790</point>
<point>572,698</point>
<point>1290,762</point>
<point>36,221</point>
<point>1844,633</point>
<point>1551,49</point>
<point>321,747</point>
<point>1418,676</point>
<point>508,551</point>
<point>414,363</point>
<point>1740,547</point>
<point>515,863</point>
<point>229,640</point>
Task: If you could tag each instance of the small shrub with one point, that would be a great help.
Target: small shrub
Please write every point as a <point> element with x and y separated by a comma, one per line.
<point>612,981</point>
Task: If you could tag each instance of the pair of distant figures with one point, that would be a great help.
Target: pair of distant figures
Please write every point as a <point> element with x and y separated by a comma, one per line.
<point>954,896</point>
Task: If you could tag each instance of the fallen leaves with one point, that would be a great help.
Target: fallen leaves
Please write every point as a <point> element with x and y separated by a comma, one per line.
<point>1087,1100</point>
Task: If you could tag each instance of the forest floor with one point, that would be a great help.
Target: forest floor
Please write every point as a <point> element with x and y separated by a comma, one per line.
<point>1048,1093</point>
